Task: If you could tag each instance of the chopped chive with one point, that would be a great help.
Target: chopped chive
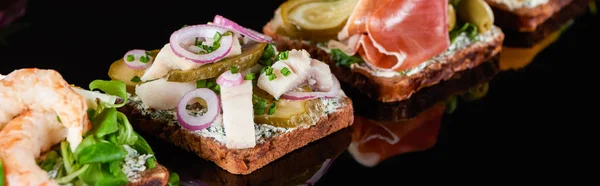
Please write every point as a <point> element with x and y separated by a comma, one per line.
<point>201,83</point>
<point>144,59</point>
<point>227,33</point>
<point>254,96</point>
<point>269,70</point>
<point>285,71</point>
<point>272,77</point>
<point>130,58</point>
<point>282,55</point>
<point>217,88</point>
<point>210,84</point>
<point>234,69</point>
<point>196,42</point>
<point>135,79</point>
<point>249,76</point>
<point>272,108</point>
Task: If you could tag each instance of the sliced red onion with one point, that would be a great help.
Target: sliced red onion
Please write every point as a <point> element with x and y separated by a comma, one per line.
<point>294,95</point>
<point>254,35</point>
<point>201,122</point>
<point>136,63</point>
<point>183,38</point>
<point>228,79</point>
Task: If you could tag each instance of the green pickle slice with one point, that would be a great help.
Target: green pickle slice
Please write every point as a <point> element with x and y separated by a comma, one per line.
<point>118,70</point>
<point>315,20</point>
<point>289,113</point>
<point>249,57</point>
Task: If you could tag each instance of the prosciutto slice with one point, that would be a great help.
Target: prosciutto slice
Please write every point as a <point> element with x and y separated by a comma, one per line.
<point>398,34</point>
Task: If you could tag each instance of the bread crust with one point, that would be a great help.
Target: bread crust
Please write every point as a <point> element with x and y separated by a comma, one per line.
<point>528,19</point>
<point>243,161</point>
<point>526,38</point>
<point>158,176</point>
<point>397,88</point>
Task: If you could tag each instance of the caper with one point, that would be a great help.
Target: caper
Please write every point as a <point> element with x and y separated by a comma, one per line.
<point>476,12</point>
<point>451,17</point>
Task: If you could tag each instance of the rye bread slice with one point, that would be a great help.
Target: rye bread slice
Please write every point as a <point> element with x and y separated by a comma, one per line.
<point>158,176</point>
<point>242,161</point>
<point>425,98</point>
<point>401,87</point>
<point>525,27</point>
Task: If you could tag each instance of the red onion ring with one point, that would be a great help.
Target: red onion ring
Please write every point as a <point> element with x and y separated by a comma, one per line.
<point>228,79</point>
<point>198,123</point>
<point>187,35</point>
<point>136,64</point>
<point>312,95</point>
<point>254,35</point>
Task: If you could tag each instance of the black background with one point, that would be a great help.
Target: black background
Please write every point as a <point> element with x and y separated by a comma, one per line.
<point>527,127</point>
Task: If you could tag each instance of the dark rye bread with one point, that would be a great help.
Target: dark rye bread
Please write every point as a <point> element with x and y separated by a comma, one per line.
<point>525,27</point>
<point>243,161</point>
<point>397,88</point>
<point>294,168</point>
<point>158,176</point>
<point>425,98</point>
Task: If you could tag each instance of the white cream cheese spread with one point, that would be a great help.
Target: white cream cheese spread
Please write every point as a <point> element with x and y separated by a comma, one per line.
<point>516,4</point>
<point>216,131</point>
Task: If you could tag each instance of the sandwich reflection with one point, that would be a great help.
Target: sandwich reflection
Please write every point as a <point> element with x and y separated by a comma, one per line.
<point>513,58</point>
<point>375,141</point>
<point>304,166</point>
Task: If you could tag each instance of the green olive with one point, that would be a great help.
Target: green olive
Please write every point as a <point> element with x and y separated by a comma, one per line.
<point>476,92</point>
<point>476,12</point>
<point>451,17</point>
<point>248,58</point>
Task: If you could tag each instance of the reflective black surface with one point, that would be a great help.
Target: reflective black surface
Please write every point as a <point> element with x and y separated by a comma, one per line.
<point>508,133</point>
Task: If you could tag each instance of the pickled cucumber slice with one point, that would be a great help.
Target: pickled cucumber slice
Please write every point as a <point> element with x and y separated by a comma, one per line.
<point>289,113</point>
<point>249,57</point>
<point>119,71</point>
<point>316,20</point>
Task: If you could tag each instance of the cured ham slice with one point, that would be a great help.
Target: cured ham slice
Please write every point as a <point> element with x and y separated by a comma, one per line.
<point>398,34</point>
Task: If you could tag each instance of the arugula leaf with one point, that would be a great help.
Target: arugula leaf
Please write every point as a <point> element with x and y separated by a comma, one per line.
<point>99,174</point>
<point>48,163</point>
<point>141,145</point>
<point>112,87</point>
<point>105,123</point>
<point>87,141</point>
<point>174,179</point>
<point>125,133</point>
<point>68,178</point>
<point>1,173</point>
<point>341,59</point>
<point>469,28</point>
<point>101,153</point>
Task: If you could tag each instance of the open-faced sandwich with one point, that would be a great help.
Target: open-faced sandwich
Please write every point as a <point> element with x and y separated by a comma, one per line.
<point>528,22</point>
<point>224,92</point>
<point>389,49</point>
<point>53,133</point>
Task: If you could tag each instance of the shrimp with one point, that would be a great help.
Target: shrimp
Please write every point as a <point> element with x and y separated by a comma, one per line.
<point>42,90</point>
<point>22,141</point>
